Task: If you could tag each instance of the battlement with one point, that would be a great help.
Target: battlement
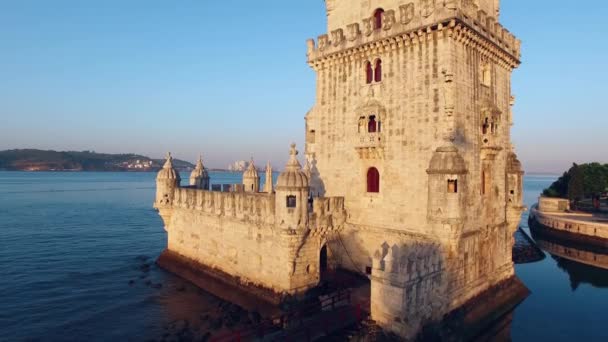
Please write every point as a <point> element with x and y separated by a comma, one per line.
<point>411,23</point>
<point>257,207</point>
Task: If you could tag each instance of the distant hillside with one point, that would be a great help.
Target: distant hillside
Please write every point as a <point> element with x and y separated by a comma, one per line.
<point>39,160</point>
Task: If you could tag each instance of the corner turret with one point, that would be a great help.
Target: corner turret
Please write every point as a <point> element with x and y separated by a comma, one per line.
<point>251,178</point>
<point>167,181</point>
<point>447,183</point>
<point>199,178</point>
<point>292,190</point>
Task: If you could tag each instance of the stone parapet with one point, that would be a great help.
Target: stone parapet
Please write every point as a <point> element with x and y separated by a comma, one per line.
<point>259,207</point>
<point>407,26</point>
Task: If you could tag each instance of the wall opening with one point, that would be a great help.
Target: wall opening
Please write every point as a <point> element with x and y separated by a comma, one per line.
<point>378,14</point>
<point>378,71</point>
<point>323,260</point>
<point>453,186</point>
<point>372,125</point>
<point>291,201</point>
<point>373,180</point>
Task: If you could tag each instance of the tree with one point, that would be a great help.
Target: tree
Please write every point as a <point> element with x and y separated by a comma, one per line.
<point>576,185</point>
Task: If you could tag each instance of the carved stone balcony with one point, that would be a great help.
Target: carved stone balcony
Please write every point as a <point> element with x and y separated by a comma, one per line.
<point>369,145</point>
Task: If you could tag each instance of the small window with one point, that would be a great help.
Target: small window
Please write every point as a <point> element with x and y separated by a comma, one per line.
<point>368,270</point>
<point>453,186</point>
<point>378,18</point>
<point>291,201</point>
<point>373,180</point>
<point>369,72</point>
<point>312,136</point>
<point>378,71</point>
<point>372,125</point>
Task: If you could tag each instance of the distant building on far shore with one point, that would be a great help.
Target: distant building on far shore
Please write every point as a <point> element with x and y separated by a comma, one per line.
<point>238,166</point>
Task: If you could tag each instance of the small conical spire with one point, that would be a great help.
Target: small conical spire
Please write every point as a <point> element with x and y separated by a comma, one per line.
<point>268,184</point>
<point>251,165</point>
<point>199,163</point>
<point>293,163</point>
<point>169,162</point>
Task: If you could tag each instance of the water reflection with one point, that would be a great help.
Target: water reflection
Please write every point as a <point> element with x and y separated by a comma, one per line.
<point>584,263</point>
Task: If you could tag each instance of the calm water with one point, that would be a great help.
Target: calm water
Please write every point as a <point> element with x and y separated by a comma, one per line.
<point>76,252</point>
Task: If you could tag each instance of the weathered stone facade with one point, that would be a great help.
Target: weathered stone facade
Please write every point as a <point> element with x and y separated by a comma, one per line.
<point>408,158</point>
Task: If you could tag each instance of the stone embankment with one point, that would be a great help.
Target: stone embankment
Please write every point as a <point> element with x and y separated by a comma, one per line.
<point>555,215</point>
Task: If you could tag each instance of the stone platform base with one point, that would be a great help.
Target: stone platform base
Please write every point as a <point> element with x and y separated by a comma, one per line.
<point>220,284</point>
<point>484,315</point>
<point>566,236</point>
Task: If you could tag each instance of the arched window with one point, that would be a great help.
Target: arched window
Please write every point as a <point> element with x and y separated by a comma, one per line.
<point>372,125</point>
<point>378,71</point>
<point>378,18</point>
<point>369,72</point>
<point>373,180</point>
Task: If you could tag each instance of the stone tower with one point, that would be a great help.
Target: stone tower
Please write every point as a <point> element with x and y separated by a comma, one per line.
<point>251,178</point>
<point>292,189</point>
<point>167,181</point>
<point>199,178</point>
<point>411,126</point>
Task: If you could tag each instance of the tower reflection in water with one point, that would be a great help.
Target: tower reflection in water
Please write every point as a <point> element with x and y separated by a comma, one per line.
<point>583,262</point>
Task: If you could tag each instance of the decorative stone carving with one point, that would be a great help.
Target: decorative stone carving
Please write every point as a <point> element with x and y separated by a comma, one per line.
<point>353,31</point>
<point>323,41</point>
<point>451,4</point>
<point>337,37</point>
<point>388,20</point>
<point>407,13</point>
<point>368,26</point>
<point>427,7</point>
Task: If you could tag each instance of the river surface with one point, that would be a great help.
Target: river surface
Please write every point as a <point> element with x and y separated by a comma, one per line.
<point>77,252</point>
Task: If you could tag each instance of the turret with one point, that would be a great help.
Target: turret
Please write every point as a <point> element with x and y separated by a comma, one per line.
<point>447,183</point>
<point>251,178</point>
<point>291,206</point>
<point>199,178</point>
<point>167,181</point>
<point>268,184</point>
<point>515,205</point>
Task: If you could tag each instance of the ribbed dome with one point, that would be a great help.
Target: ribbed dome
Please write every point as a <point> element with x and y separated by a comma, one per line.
<point>251,171</point>
<point>199,171</point>
<point>168,171</point>
<point>513,164</point>
<point>447,160</point>
<point>293,177</point>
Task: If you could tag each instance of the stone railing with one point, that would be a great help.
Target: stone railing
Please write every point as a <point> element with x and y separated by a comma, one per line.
<point>368,140</point>
<point>257,207</point>
<point>411,22</point>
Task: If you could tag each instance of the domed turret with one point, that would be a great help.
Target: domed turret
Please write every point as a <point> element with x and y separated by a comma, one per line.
<point>447,182</point>
<point>292,189</point>
<point>167,181</point>
<point>199,177</point>
<point>251,178</point>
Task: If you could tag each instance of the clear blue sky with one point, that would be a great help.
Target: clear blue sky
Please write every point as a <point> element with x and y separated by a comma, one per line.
<point>229,78</point>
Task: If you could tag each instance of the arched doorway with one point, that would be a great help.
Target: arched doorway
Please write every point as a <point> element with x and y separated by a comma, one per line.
<point>323,261</point>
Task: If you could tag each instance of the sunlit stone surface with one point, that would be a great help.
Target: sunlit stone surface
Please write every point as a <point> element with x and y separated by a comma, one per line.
<point>408,158</point>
